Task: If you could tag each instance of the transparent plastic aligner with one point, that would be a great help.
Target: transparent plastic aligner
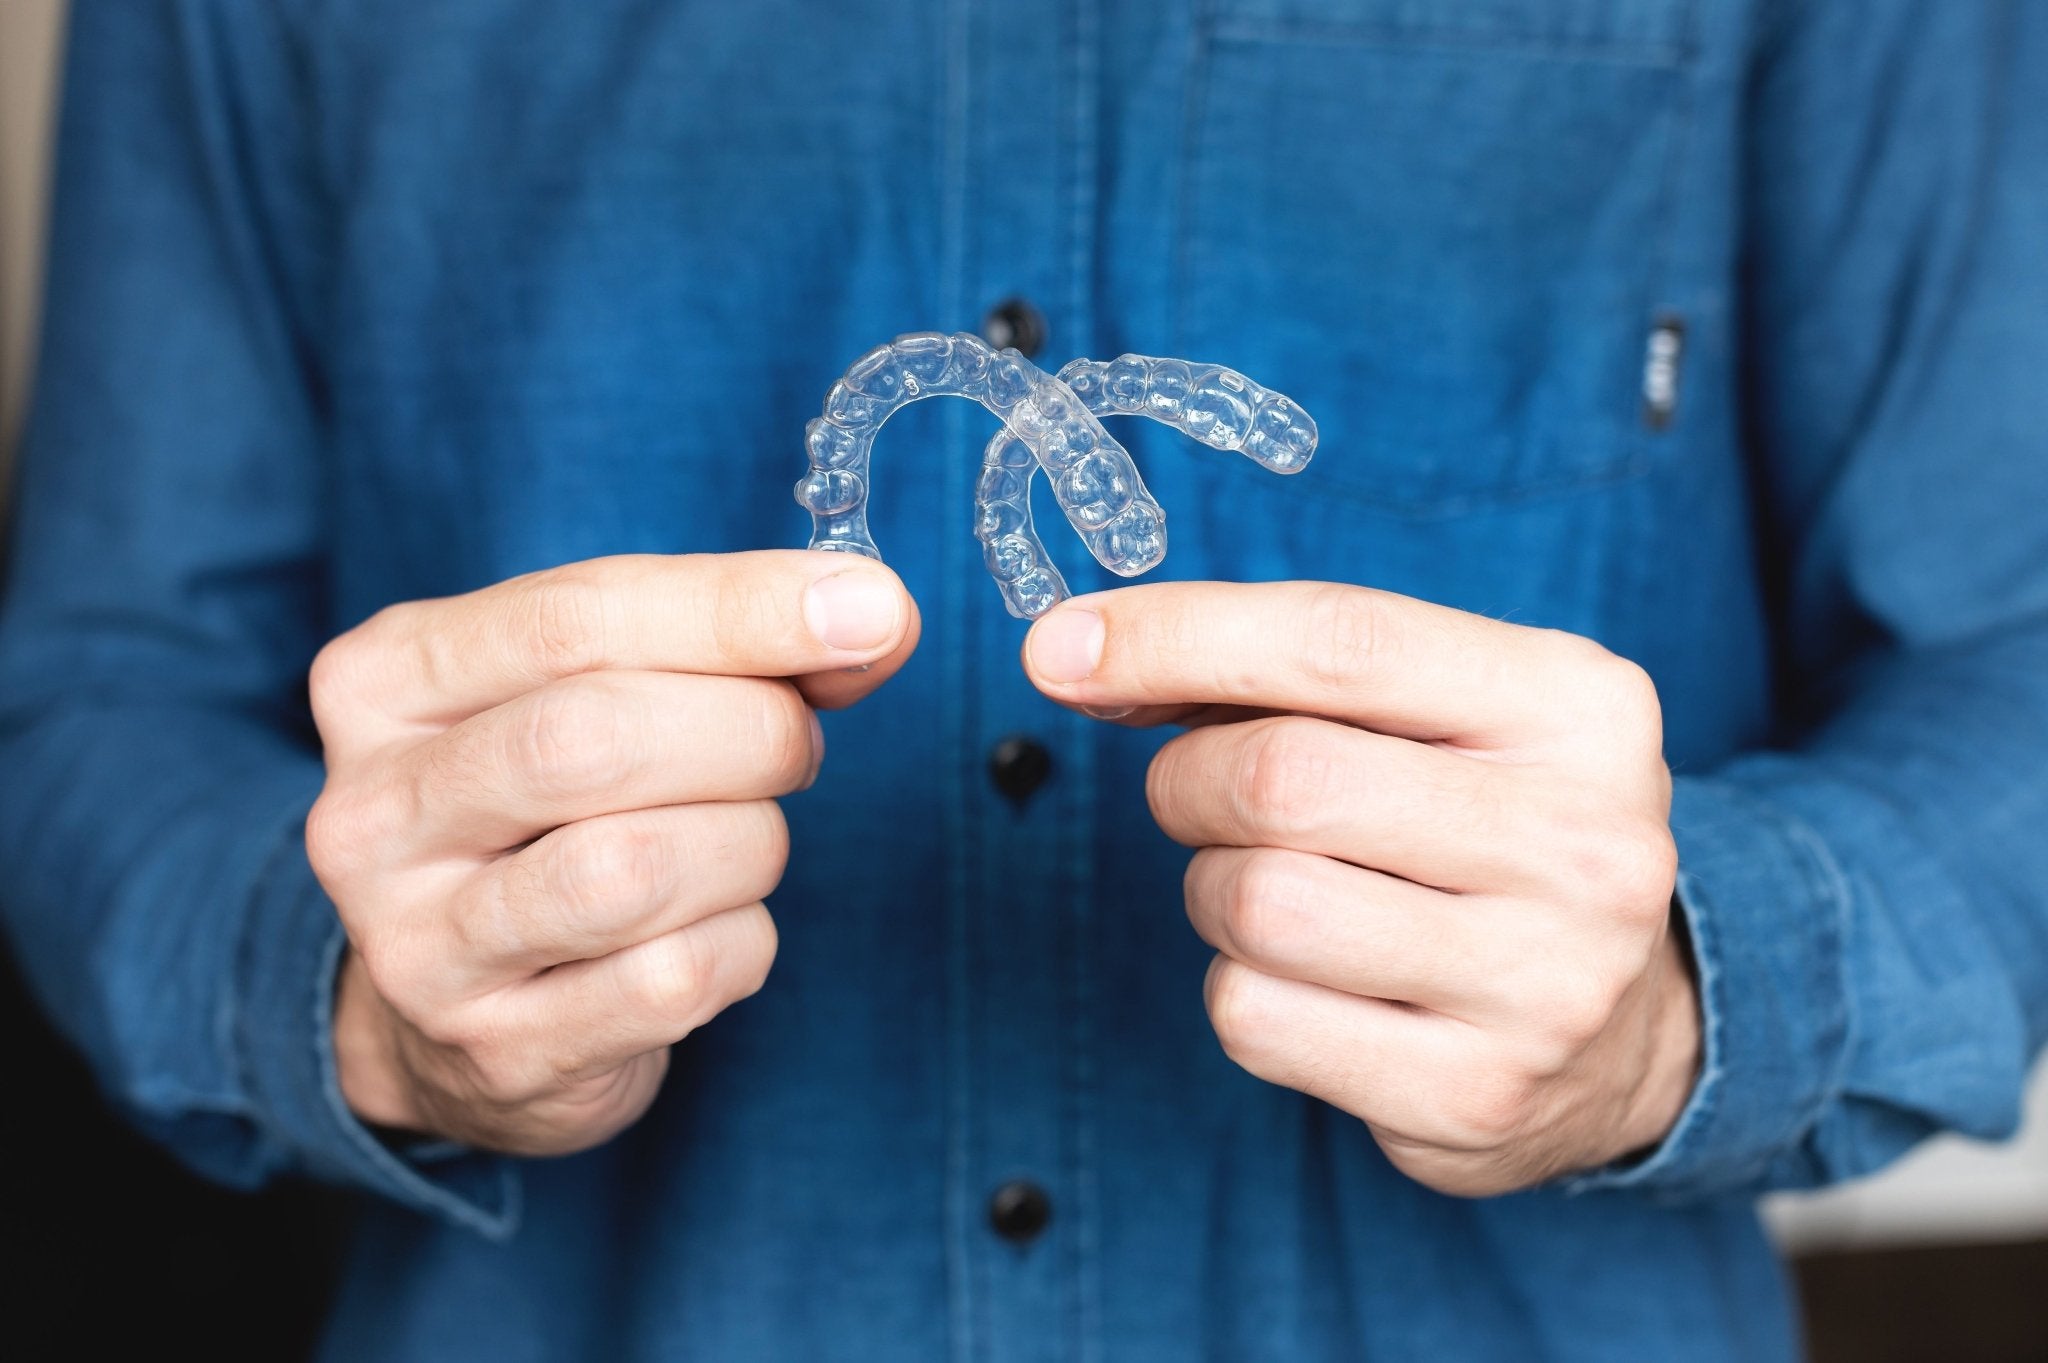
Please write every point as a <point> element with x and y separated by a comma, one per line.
<point>1048,423</point>
<point>1053,426</point>
<point>1217,406</point>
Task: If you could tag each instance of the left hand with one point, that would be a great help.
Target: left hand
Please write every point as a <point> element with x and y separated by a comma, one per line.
<point>1433,854</point>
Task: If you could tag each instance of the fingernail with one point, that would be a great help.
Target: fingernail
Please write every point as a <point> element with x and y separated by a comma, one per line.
<point>1066,646</point>
<point>853,610</point>
<point>817,748</point>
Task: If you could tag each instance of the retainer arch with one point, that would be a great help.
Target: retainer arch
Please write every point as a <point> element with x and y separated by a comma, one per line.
<point>1049,423</point>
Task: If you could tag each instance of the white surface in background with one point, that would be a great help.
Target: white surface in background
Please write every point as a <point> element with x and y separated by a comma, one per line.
<point>1948,1190</point>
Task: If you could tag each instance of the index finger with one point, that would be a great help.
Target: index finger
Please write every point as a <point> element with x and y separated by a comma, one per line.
<point>1376,659</point>
<point>772,613</point>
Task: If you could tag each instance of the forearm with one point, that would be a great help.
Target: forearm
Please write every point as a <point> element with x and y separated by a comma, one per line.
<point>1871,925</point>
<point>135,840</point>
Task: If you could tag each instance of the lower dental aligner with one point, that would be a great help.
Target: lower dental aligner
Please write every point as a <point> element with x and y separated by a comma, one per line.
<point>1051,424</point>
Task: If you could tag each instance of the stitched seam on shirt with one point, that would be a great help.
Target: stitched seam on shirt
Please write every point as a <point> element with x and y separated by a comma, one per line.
<point>1915,366</point>
<point>1900,826</point>
<point>1694,1126</point>
<point>1194,113</point>
<point>1310,33</point>
<point>956,1067</point>
<point>1657,295</point>
<point>1084,132</point>
<point>1830,886</point>
<point>270,870</point>
<point>1822,883</point>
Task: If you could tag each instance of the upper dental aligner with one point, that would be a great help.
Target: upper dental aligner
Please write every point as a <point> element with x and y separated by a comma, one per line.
<point>1049,423</point>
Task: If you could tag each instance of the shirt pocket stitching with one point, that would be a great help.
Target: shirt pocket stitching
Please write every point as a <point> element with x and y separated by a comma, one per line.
<point>1449,38</point>
<point>1232,21</point>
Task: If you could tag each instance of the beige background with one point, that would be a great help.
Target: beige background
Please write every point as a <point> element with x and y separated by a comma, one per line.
<point>1951,1190</point>
<point>28,42</point>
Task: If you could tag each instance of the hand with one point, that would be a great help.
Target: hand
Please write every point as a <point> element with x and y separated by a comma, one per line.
<point>1433,856</point>
<point>549,824</point>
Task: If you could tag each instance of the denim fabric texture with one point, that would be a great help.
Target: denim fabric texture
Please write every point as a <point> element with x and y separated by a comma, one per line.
<point>356,304</point>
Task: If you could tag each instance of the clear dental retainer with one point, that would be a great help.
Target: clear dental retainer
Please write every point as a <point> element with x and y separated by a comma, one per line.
<point>1050,422</point>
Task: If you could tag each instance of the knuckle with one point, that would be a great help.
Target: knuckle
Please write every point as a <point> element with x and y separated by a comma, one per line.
<point>503,1074</point>
<point>1286,777</point>
<point>1163,775</point>
<point>568,612</point>
<point>777,836</point>
<point>334,682</point>
<point>1634,710</point>
<point>1235,1012</point>
<point>1631,868</point>
<point>1584,656</point>
<point>747,840</point>
<point>620,865</point>
<point>401,972</point>
<point>486,1051</point>
<point>1341,634</point>
<point>782,731</point>
<point>331,845</point>
<point>570,737</point>
<point>1653,872</point>
<point>1489,1111</point>
<point>1574,1017</point>
<point>352,670</point>
<point>757,954</point>
<point>674,979</point>
<point>1632,687</point>
<point>767,846</point>
<point>570,1076</point>
<point>346,828</point>
<point>453,1029</point>
<point>1618,693</point>
<point>1551,1052</point>
<point>1266,905</point>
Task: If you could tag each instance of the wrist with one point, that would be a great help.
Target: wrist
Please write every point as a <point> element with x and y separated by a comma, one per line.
<point>1675,1039</point>
<point>366,1054</point>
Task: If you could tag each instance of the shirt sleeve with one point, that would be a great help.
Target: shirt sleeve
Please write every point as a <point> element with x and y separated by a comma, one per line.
<point>1868,901</point>
<point>164,598</point>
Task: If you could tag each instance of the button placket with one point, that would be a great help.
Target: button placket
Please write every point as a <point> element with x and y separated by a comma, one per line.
<point>1020,1293</point>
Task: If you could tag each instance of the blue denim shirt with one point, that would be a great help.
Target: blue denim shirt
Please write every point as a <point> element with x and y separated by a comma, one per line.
<point>354,304</point>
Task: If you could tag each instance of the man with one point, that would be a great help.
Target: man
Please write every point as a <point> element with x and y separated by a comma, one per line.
<point>1678,372</point>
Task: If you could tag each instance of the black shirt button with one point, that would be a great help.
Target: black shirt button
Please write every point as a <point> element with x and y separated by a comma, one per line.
<point>1019,1210</point>
<point>1014,322</point>
<point>1018,766</point>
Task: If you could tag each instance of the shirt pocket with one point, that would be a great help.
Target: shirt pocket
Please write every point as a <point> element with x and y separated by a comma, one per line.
<point>1439,224</point>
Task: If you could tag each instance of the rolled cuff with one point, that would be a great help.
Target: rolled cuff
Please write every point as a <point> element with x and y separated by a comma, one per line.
<point>283,1037</point>
<point>1767,909</point>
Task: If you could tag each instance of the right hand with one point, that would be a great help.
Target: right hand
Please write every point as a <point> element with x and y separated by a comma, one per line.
<point>549,824</point>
